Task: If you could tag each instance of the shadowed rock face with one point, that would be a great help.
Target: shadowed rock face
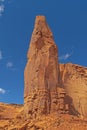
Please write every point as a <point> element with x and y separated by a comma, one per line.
<point>41,72</point>
<point>74,78</point>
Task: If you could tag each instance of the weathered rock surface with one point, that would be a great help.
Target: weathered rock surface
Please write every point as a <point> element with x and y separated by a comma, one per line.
<point>10,114</point>
<point>9,111</point>
<point>74,78</point>
<point>41,72</point>
<point>12,119</point>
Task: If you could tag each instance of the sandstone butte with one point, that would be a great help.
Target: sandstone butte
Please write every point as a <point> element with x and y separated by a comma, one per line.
<point>55,95</point>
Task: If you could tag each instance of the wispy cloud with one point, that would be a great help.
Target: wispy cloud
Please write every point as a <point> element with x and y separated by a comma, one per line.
<point>2,91</point>
<point>1,9</point>
<point>9,64</point>
<point>2,0</point>
<point>65,57</point>
<point>1,57</point>
<point>2,5</point>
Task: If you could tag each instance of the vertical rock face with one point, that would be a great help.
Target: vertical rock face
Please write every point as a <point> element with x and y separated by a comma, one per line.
<point>74,78</point>
<point>41,72</point>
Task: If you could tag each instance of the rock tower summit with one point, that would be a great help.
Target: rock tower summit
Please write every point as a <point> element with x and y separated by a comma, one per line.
<point>41,72</point>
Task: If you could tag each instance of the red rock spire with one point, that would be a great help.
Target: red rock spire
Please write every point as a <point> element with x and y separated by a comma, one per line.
<point>41,72</point>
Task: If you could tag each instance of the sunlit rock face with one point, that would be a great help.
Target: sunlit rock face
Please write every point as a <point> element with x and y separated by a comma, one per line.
<point>51,87</point>
<point>41,72</point>
<point>74,78</point>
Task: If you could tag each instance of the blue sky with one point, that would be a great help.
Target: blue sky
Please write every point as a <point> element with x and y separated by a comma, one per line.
<point>68,22</point>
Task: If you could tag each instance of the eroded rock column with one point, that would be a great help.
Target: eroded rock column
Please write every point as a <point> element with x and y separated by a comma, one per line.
<point>41,72</point>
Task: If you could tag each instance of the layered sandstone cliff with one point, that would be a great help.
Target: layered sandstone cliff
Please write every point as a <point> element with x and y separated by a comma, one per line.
<point>74,79</point>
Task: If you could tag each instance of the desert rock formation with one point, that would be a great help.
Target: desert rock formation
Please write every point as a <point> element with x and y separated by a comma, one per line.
<point>12,118</point>
<point>41,72</point>
<point>54,94</point>
<point>74,79</point>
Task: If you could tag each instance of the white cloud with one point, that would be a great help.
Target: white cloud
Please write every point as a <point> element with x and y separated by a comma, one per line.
<point>9,65</point>
<point>2,91</point>
<point>65,57</point>
<point>2,6</point>
<point>1,57</point>
<point>1,9</point>
<point>2,0</point>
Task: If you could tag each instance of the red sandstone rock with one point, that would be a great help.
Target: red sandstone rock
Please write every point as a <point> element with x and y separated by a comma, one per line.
<point>43,92</point>
<point>74,79</point>
<point>41,72</point>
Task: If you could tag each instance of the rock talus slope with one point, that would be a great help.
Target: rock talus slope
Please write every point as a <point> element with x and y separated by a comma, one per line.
<point>11,118</point>
<point>41,72</point>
